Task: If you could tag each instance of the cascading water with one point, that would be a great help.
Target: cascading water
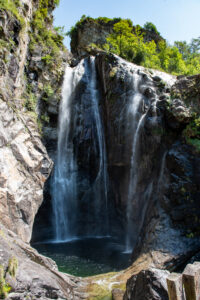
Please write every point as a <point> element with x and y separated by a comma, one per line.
<point>138,120</point>
<point>67,178</point>
<point>143,104</point>
<point>101,182</point>
<point>64,182</point>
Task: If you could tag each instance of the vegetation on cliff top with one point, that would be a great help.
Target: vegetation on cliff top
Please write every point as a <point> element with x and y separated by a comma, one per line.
<point>172,59</point>
<point>101,20</point>
<point>132,43</point>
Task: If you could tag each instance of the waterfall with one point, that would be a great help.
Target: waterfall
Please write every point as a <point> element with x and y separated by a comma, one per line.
<point>138,120</point>
<point>67,178</point>
<point>160,178</point>
<point>101,180</point>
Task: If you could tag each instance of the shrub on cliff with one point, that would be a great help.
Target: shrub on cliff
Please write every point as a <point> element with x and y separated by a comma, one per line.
<point>192,133</point>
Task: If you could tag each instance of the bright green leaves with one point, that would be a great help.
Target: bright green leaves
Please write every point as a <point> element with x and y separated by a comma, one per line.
<point>122,41</point>
<point>151,27</point>
<point>192,133</point>
<point>129,43</point>
<point>12,269</point>
<point>131,46</point>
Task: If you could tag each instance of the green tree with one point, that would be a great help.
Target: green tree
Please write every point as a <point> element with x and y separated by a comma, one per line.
<point>176,63</point>
<point>195,45</point>
<point>184,48</point>
<point>120,38</point>
<point>151,27</point>
<point>128,42</point>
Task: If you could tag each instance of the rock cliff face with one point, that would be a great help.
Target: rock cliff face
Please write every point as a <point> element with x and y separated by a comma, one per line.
<point>34,276</point>
<point>166,221</point>
<point>24,167</point>
<point>147,285</point>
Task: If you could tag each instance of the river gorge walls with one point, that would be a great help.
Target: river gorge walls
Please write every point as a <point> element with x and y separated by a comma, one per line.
<point>153,191</point>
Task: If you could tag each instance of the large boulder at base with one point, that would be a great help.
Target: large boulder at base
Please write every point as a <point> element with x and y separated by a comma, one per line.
<point>147,285</point>
<point>33,276</point>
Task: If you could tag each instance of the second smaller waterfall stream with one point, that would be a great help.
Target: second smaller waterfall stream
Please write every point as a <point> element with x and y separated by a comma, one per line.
<point>137,116</point>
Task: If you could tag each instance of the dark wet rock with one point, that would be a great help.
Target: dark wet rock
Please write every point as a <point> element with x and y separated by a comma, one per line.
<point>157,78</point>
<point>147,285</point>
<point>183,189</point>
<point>116,77</point>
<point>188,90</point>
<point>181,113</point>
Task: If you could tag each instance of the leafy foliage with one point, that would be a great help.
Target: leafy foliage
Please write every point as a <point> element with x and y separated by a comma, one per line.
<point>56,2</point>
<point>49,40</point>
<point>178,59</point>
<point>4,287</point>
<point>192,133</point>
<point>12,6</point>
<point>30,101</point>
<point>101,20</point>
<point>47,92</point>
<point>60,30</point>
<point>151,27</point>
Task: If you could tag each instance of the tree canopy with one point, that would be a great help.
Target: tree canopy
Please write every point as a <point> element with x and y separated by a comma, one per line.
<point>180,58</point>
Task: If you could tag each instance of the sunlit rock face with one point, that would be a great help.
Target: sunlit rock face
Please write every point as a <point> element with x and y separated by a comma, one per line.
<point>24,167</point>
<point>35,276</point>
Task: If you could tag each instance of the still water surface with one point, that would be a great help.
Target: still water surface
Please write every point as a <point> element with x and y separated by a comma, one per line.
<point>88,256</point>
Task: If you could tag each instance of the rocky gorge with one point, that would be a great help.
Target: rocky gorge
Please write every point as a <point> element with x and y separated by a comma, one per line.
<point>152,182</point>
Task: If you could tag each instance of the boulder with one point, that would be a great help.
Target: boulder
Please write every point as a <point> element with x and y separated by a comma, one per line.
<point>32,276</point>
<point>147,285</point>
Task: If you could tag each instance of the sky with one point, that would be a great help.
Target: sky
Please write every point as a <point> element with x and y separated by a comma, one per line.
<point>174,19</point>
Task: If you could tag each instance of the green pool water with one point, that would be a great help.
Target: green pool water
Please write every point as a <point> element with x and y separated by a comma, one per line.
<point>87,257</point>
